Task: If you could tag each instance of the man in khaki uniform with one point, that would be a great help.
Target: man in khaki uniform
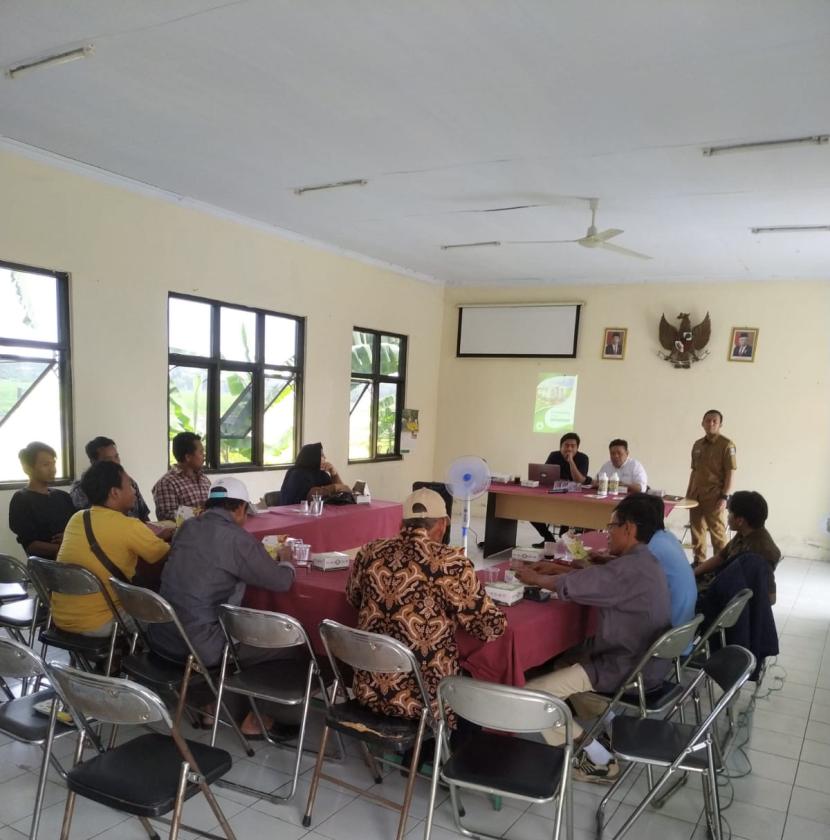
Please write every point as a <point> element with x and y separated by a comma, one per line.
<point>713,463</point>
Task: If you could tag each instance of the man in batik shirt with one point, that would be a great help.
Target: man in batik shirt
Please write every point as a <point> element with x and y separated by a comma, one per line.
<point>419,591</point>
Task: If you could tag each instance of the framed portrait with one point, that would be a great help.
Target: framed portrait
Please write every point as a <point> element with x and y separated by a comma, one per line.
<point>743,345</point>
<point>613,343</point>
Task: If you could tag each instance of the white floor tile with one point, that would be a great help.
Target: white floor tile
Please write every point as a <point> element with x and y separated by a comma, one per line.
<point>246,772</point>
<point>814,752</point>
<point>481,814</point>
<point>820,712</point>
<point>329,801</point>
<point>793,727</point>
<point>767,766</point>
<point>252,823</point>
<point>650,826</point>
<point>813,776</point>
<point>755,823</point>
<point>365,820</point>
<point>17,798</point>
<point>776,743</point>
<point>756,790</point>
<point>798,828</point>
<point>818,731</point>
<point>8,833</point>
<point>393,788</point>
<point>810,804</point>
<point>784,705</point>
<point>89,819</point>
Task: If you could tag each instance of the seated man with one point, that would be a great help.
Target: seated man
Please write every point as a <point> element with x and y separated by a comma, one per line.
<point>573,466</point>
<point>184,483</point>
<point>104,449</point>
<point>38,514</point>
<point>748,512</point>
<point>631,472</point>
<point>418,590</point>
<point>121,541</point>
<point>212,559</point>
<point>632,597</point>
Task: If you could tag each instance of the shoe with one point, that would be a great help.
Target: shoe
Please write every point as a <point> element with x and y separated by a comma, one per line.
<point>585,770</point>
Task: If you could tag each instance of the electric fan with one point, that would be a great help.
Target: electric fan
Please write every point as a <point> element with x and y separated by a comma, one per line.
<point>467,478</point>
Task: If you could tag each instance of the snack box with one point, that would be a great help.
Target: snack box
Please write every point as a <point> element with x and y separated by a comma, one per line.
<point>505,593</point>
<point>328,560</point>
<point>528,483</point>
<point>529,555</point>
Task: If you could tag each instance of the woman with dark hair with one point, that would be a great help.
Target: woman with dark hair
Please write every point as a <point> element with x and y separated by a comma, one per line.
<point>311,474</point>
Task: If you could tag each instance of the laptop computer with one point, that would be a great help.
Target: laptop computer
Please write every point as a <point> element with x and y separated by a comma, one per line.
<point>545,474</point>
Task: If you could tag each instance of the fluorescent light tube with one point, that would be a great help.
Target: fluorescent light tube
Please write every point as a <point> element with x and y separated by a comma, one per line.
<point>358,182</point>
<point>813,139</point>
<point>793,229</point>
<point>49,61</point>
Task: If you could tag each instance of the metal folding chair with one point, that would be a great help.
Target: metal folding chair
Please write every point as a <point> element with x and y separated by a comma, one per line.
<point>151,668</point>
<point>494,763</point>
<point>50,577</point>
<point>632,693</point>
<point>287,682</point>
<point>20,720</point>
<point>680,747</point>
<point>19,613</point>
<point>378,654</point>
<point>148,776</point>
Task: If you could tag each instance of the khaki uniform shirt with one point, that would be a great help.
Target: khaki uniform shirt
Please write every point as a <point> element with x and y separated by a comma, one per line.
<point>711,460</point>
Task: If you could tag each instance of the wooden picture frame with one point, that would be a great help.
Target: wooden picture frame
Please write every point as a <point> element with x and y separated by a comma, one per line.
<point>614,340</point>
<point>743,344</point>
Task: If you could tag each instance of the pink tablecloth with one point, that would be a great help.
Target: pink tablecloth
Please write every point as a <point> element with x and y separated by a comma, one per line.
<point>340,526</point>
<point>535,631</point>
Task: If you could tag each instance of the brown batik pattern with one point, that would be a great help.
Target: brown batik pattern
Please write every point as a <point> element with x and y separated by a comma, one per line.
<point>419,592</point>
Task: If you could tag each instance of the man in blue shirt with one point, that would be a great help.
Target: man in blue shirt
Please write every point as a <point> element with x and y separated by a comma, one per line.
<point>669,552</point>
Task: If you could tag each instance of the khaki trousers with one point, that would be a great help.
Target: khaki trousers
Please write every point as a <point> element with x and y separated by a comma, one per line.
<point>706,517</point>
<point>569,682</point>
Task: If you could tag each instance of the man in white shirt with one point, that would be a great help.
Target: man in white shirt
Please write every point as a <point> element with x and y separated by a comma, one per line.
<point>631,472</point>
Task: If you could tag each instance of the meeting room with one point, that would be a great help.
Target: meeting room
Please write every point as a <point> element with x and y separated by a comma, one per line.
<point>400,408</point>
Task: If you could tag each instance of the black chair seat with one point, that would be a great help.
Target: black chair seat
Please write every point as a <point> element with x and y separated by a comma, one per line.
<point>141,776</point>
<point>512,765</point>
<point>12,592</point>
<point>20,613</point>
<point>154,671</point>
<point>283,679</point>
<point>92,646</point>
<point>19,719</point>
<point>654,741</point>
<point>356,720</point>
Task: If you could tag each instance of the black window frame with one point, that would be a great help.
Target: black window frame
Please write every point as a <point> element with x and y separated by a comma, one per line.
<point>215,365</point>
<point>377,378</point>
<point>63,347</point>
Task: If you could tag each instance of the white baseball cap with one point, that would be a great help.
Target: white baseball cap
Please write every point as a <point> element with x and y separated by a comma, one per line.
<point>424,504</point>
<point>231,488</point>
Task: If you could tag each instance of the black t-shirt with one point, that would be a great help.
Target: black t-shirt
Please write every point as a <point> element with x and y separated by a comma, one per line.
<point>580,459</point>
<point>39,516</point>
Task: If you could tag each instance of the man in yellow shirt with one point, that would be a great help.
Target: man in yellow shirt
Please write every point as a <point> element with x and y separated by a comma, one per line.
<point>123,541</point>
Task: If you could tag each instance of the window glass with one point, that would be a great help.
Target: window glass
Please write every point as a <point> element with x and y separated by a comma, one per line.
<point>360,420</point>
<point>236,414</point>
<point>28,306</point>
<point>189,327</point>
<point>188,400</point>
<point>30,409</point>
<point>362,351</point>
<point>280,340</point>
<point>237,335</point>
<point>387,413</point>
<point>278,431</point>
<point>390,355</point>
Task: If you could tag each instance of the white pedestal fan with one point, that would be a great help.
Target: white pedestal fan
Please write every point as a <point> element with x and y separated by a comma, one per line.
<point>467,478</point>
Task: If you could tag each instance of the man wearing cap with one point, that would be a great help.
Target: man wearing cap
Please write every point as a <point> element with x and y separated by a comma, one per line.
<point>211,561</point>
<point>419,591</point>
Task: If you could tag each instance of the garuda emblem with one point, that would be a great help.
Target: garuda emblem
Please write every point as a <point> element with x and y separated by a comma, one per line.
<point>684,344</point>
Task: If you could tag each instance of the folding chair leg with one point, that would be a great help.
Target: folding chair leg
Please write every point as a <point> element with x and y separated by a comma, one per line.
<point>437,761</point>
<point>315,779</point>
<point>413,773</point>
<point>176,820</point>
<point>69,808</point>
<point>638,811</point>
<point>371,763</point>
<point>44,769</point>
<point>148,827</point>
<point>717,833</point>
<point>603,803</point>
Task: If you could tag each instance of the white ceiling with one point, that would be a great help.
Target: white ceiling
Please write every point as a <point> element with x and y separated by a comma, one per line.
<point>449,106</point>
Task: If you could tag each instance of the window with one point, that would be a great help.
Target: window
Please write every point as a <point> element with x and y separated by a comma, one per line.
<point>377,392</point>
<point>35,381</point>
<point>235,377</point>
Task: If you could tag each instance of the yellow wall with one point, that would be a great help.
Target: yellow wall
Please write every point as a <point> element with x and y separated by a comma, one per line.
<point>125,251</point>
<point>776,410</point>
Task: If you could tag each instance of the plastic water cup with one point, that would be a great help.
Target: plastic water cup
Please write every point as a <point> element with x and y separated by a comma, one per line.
<point>304,506</point>
<point>317,506</point>
<point>300,552</point>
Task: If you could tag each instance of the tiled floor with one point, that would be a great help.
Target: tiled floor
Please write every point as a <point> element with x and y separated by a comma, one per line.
<point>787,794</point>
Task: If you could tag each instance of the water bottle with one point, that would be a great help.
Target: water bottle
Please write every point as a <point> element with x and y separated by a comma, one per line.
<point>614,483</point>
<point>602,485</point>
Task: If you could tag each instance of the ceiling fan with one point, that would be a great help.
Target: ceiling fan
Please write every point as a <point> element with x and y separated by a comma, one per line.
<point>592,239</point>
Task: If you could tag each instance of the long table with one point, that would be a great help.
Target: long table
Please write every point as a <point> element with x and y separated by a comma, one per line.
<point>340,526</point>
<point>535,631</point>
<point>508,504</point>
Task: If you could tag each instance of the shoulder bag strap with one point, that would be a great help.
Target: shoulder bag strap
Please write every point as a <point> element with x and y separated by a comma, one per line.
<point>99,552</point>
